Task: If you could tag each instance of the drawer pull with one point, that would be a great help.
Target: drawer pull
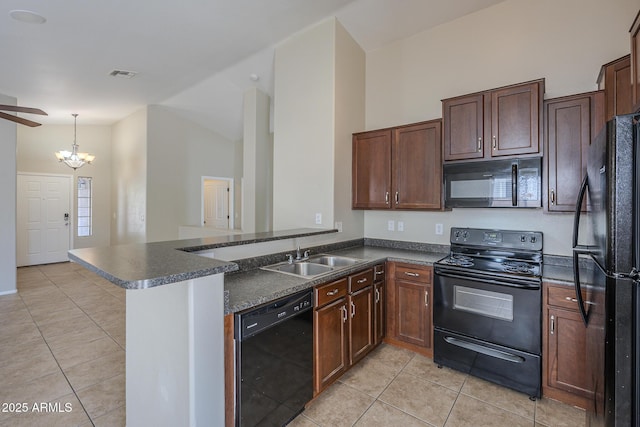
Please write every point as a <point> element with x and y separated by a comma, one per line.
<point>362,280</point>
<point>479,144</point>
<point>571,299</point>
<point>552,328</point>
<point>408,273</point>
<point>397,198</point>
<point>353,309</point>
<point>386,198</point>
<point>377,295</point>
<point>426,298</point>
<point>495,145</point>
<point>553,197</point>
<point>379,272</point>
<point>333,292</point>
<point>344,313</point>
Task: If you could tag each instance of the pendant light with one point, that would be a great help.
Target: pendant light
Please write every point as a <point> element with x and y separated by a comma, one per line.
<point>72,158</point>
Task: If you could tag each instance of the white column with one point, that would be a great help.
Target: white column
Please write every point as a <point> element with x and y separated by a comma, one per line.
<point>175,354</point>
<point>8,196</point>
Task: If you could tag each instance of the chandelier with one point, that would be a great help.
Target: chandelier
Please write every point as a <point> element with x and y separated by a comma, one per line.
<point>72,158</point>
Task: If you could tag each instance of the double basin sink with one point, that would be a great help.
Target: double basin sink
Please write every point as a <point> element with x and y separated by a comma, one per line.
<point>315,265</point>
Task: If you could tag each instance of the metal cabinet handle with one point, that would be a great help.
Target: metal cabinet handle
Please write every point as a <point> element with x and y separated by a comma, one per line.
<point>494,142</point>
<point>386,197</point>
<point>377,295</point>
<point>379,272</point>
<point>408,273</point>
<point>344,313</point>
<point>479,144</point>
<point>397,198</point>
<point>553,325</point>
<point>353,309</point>
<point>571,299</point>
<point>362,280</point>
<point>553,197</point>
<point>426,298</point>
<point>332,293</point>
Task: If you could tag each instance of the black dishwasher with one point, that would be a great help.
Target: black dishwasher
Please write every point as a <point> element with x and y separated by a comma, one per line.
<point>274,357</point>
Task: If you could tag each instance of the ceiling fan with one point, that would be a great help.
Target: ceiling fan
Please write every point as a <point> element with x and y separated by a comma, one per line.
<point>20,120</point>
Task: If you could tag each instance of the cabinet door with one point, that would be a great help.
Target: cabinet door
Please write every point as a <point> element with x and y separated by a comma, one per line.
<point>515,119</point>
<point>463,127</point>
<point>417,166</point>
<point>617,87</point>
<point>360,324</point>
<point>566,353</point>
<point>568,135</point>
<point>371,180</point>
<point>635,63</point>
<point>413,313</point>
<point>379,312</point>
<point>330,343</point>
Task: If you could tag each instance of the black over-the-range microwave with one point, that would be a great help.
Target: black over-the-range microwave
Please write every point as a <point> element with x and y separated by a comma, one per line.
<point>494,183</point>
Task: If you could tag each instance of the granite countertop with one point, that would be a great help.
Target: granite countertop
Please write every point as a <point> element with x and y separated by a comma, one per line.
<point>254,287</point>
<point>145,265</point>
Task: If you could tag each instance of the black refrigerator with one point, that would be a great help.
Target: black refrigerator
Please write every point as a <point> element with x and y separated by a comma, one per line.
<point>606,247</point>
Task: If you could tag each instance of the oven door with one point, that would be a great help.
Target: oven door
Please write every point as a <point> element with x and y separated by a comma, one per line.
<point>488,309</point>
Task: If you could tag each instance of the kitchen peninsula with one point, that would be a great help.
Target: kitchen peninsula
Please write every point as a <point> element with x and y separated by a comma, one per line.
<point>175,307</point>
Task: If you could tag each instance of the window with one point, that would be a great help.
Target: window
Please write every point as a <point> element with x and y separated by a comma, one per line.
<point>84,206</point>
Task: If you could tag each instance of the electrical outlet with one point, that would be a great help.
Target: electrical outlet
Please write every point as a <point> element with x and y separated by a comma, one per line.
<point>400,226</point>
<point>439,229</point>
<point>391,225</point>
<point>338,226</point>
<point>318,218</point>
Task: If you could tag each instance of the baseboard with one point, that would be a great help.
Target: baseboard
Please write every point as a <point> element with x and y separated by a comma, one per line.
<point>15,291</point>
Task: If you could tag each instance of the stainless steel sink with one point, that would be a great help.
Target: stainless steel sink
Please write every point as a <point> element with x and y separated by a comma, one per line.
<point>302,268</point>
<point>313,266</point>
<point>334,260</point>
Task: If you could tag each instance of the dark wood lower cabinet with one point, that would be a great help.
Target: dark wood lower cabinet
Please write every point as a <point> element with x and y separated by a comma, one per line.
<point>343,326</point>
<point>564,349</point>
<point>379,302</point>
<point>330,333</point>
<point>409,302</point>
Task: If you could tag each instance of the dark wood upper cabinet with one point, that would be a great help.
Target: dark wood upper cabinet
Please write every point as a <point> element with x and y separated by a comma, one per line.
<point>464,127</point>
<point>398,168</point>
<point>615,80</point>
<point>571,122</point>
<point>371,179</point>
<point>497,123</point>
<point>417,166</point>
<point>635,63</point>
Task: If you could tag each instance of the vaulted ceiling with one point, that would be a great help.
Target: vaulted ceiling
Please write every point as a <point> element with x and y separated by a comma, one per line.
<point>195,56</point>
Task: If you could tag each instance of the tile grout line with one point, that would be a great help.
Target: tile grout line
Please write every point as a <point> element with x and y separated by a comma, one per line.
<point>73,390</point>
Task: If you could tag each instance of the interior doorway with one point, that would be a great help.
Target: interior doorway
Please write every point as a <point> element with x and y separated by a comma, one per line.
<point>43,220</point>
<point>217,202</point>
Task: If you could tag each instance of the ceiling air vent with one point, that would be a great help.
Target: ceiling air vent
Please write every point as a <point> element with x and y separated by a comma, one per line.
<point>123,73</point>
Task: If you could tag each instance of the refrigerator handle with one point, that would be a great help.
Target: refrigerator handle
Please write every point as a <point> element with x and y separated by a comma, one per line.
<point>514,184</point>
<point>576,217</point>
<point>576,283</point>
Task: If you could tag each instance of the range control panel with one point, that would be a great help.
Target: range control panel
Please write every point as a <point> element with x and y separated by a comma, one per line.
<point>526,240</point>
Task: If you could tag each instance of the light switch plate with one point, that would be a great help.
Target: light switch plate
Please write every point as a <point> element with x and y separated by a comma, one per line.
<point>318,218</point>
<point>400,226</point>
<point>439,229</point>
<point>391,225</point>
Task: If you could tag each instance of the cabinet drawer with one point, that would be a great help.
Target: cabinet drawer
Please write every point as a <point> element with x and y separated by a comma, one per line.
<point>562,296</point>
<point>413,273</point>
<point>360,280</point>
<point>379,273</point>
<point>330,292</point>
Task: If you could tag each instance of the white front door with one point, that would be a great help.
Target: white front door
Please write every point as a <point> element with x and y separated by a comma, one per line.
<point>216,203</point>
<point>43,219</point>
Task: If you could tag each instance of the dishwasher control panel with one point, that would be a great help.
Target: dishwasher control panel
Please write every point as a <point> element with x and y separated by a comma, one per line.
<point>264,316</point>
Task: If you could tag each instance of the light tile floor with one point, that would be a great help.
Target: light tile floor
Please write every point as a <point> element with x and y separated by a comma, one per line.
<point>62,349</point>
<point>396,387</point>
<point>62,341</point>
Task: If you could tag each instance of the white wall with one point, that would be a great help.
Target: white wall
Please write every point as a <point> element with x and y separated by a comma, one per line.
<point>565,42</point>
<point>319,103</point>
<point>304,129</point>
<point>8,206</point>
<point>35,154</point>
<point>129,179</point>
<point>179,153</point>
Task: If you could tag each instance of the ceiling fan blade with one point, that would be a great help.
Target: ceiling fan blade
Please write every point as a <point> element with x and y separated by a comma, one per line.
<point>22,109</point>
<point>19,120</point>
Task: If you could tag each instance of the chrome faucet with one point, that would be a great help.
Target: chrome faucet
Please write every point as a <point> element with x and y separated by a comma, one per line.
<point>301,256</point>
